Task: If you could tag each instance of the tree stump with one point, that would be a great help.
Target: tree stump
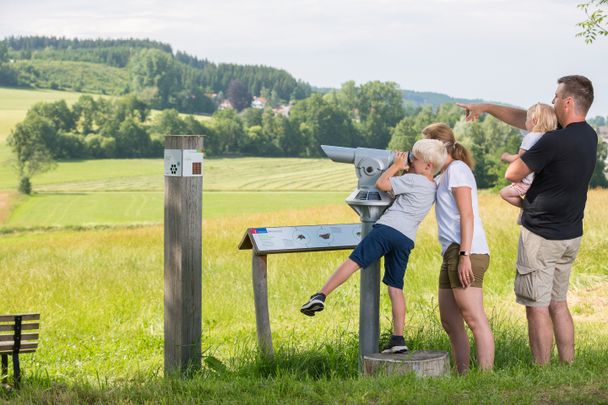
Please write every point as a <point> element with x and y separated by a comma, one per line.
<point>425,363</point>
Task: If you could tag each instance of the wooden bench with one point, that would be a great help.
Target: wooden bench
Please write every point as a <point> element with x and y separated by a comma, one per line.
<point>14,341</point>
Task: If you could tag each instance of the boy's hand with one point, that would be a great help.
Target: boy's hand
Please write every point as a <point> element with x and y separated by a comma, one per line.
<point>504,157</point>
<point>400,160</point>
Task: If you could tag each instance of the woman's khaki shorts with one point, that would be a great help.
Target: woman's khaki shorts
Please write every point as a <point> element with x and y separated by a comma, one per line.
<point>448,276</point>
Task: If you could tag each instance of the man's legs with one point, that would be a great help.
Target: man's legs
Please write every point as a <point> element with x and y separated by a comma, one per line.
<point>540,333</point>
<point>563,327</point>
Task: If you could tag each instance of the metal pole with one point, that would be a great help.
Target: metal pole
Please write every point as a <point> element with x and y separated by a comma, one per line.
<point>183,265</point>
<point>369,304</point>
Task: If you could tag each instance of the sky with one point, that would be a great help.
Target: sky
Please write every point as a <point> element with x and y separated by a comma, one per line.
<point>510,51</point>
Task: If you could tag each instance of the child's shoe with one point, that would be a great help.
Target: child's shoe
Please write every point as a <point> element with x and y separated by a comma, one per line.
<point>395,345</point>
<point>316,303</point>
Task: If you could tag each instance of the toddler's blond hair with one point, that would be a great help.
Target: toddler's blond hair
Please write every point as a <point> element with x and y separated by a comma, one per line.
<point>546,120</point>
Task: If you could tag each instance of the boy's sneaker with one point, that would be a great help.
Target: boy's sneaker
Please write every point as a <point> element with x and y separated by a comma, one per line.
<point>316,303</point>
<point>395,345</point>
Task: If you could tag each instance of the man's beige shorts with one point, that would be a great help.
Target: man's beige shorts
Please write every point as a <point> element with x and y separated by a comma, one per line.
<point>543,268</point>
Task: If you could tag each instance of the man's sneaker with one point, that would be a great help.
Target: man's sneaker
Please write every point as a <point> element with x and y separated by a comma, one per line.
<point>316,303</point>
<point>396,345</point>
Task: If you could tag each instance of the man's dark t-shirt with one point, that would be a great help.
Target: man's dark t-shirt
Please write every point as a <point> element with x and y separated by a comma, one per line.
<point>563,161</point>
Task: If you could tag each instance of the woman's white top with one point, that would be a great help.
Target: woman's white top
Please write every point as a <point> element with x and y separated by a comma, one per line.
<point>458,174</point>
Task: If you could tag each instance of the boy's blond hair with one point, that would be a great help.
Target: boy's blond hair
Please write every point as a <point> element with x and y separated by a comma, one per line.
<point>431,151</point>
<point>546,120</point>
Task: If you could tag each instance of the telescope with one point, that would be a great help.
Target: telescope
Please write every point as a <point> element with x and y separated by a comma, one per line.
<point>366,200</point>
<point>369,203</point>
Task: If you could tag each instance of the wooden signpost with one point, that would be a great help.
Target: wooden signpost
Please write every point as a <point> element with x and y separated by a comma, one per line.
<point>183,253</point>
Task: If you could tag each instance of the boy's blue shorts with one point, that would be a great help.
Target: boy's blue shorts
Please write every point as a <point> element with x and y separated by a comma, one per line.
<point>390,243</point>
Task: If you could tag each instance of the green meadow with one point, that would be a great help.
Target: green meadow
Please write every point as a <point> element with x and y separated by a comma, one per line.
<point>86,251</point>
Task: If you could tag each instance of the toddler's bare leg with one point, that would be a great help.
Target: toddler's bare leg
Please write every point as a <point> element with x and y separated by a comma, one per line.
<point>510,195</point>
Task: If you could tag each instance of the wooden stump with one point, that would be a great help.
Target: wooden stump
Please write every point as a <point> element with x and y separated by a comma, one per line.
<point>425,363</point>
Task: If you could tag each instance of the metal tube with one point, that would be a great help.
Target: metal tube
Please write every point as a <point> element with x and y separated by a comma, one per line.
<point>339,154</point>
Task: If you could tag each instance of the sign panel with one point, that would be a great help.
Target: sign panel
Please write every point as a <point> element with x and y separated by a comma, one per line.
<point>302,238</point>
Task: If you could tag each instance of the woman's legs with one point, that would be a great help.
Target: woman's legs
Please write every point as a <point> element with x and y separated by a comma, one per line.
<point>339,276</point>
<point>453,324</point>
<point>470,304</point>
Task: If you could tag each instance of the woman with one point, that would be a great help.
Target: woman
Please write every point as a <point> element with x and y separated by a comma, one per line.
<point>465,254</point>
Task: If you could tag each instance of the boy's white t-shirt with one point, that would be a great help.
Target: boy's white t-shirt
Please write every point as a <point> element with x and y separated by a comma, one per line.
<point>414,197</point>
<point>458,174</point>
<point>529,140</point>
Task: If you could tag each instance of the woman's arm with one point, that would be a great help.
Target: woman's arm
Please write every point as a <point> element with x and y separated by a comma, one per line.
<point>399,163</point>
<point>462,196</point>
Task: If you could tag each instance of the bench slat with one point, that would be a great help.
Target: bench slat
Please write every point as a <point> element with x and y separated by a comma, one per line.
<point>24,336</point>
<point>25,326</point>
<point>20,351</point>
<point>4,348</point>
<point>25,317</point>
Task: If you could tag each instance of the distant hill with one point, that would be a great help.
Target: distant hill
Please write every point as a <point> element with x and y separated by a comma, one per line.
<point>418,98</point>
<point>150,69</point>
<point>434,99</point>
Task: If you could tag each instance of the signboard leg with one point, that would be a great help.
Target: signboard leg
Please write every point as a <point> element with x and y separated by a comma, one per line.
<point>260,296</point>
<point>369,305</point>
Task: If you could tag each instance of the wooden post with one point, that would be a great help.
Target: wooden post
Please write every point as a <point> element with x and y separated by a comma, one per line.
<point>260,296</point>
<point>369,304</point>
<point>183,265</point>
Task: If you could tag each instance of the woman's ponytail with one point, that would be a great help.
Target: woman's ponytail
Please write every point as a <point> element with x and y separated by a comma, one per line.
<point>444,133</point>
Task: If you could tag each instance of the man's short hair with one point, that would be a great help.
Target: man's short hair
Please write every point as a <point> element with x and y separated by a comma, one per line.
<point>580,89</point>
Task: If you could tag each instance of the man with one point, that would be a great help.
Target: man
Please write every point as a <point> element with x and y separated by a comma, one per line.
<point>552,221</point>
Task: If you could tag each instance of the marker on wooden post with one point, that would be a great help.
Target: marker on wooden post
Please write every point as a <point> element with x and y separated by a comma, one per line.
<point>183,253</point>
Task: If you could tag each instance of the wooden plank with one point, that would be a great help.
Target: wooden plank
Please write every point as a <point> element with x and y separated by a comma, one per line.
<point>260,296</point>
<point>24,317</point>
<point>8,348</point>
<point>182,265</point>
<point>25,326</point>
<point>22,351</point>
<point>24,337</point>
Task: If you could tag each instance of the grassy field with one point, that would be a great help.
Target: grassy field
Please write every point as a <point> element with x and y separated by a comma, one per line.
<point>100,294</point>
<point>86,250</point>
<point>14,104</point>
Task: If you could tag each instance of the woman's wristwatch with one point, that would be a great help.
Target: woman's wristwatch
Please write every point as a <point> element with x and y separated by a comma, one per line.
<point>465,253</point>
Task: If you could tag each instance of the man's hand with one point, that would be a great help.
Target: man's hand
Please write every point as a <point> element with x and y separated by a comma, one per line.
<point>400,160</point>
<point>472,111</point>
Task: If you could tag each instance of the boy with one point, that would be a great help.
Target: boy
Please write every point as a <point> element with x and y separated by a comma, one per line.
<point>394,233</point>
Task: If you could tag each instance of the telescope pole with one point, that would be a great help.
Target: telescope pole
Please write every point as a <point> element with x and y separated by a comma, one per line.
<point>369,302</point>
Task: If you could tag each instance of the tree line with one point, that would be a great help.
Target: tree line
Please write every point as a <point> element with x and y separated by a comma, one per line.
<point>369,115</point>
<point>154,73</point>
